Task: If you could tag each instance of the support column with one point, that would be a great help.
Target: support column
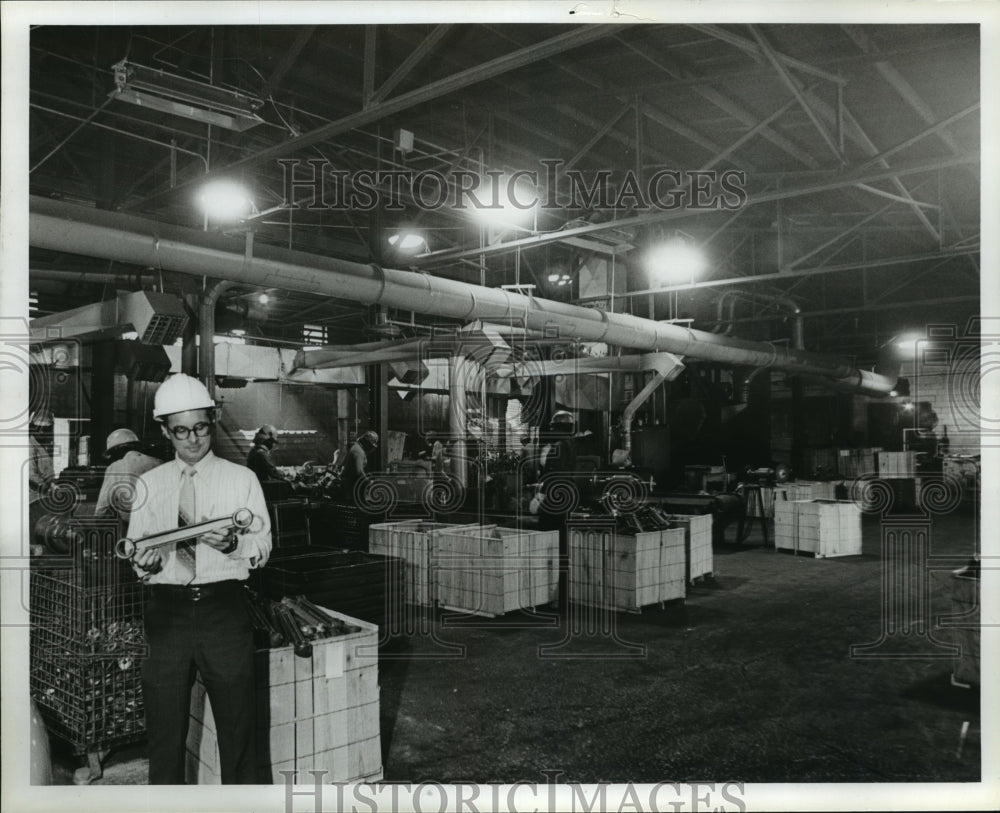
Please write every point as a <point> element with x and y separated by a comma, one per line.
<point>189,348</point>
<point>378,409</point>
<point>458,418</point>
<point>102,395</point>
<point>343,427</point>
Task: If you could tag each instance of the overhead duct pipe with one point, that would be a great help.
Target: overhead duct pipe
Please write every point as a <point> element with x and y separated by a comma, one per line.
<point>667,367</point>
<point>798,335</point>
<point>206,329</point>
<point>57,226</point>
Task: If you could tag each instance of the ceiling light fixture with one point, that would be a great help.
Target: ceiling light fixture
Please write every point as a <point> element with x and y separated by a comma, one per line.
<point>178,96</point>
<point>407,241</point>
<point>675,261</point>
<point>225,201</point>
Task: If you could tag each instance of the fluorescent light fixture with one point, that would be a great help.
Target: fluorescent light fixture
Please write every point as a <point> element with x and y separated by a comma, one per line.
<point>164,92</point>
<point>675,261</point>
<point>407,241</point>
<point>907,343</point>
<point>225,201</point>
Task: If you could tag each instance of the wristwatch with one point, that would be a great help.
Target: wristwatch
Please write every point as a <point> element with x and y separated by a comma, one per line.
<point>233,542</point>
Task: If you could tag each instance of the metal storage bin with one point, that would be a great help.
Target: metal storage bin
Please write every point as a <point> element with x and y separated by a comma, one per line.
<point>87,643</point>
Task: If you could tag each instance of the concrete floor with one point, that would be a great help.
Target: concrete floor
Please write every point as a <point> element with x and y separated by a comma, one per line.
<point>749,679</point>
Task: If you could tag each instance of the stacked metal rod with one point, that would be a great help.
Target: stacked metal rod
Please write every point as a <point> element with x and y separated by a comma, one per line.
<point>293,621</point>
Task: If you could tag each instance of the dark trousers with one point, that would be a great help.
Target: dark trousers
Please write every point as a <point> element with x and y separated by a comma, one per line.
<point>212,635</point>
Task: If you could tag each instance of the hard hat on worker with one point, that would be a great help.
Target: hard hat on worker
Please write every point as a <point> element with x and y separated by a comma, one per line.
<point>120,437</point>
<point>180,393</point>
<point>562,417</point>
<point>119,443</point>
<point>266,435</point>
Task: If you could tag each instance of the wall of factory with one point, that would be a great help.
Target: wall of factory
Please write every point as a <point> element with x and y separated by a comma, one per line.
<point>951,384</point>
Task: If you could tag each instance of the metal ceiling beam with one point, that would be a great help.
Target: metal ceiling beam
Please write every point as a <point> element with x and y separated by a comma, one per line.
<point>792,84</point>
<point>869,147</point>
<point>412,60</point>
<point>586,148</point>
<point>727,104</point>
<point>856,133</point>
<point>754,49</point>
<point>463,79</point>
<point>288,60</point>
<point>900,84</point>
<point>368,72</point>
<point>916,303</point>
<point>838,237</point>
<point>816,187</point>
<point>803,272</point>
<point>652,113</point>
<point>902,145</point>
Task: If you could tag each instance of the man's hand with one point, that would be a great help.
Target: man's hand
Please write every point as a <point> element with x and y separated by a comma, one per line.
<point>149,560</point>
<point>221,540</point>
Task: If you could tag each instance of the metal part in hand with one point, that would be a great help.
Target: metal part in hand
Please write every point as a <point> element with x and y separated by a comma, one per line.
<point>239,521</point>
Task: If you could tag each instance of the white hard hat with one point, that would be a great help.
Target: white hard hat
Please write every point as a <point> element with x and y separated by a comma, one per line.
<point>119,437</point>
<point>180,393</point>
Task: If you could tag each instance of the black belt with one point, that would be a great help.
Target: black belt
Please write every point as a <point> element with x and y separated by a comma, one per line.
<point>194,592</point>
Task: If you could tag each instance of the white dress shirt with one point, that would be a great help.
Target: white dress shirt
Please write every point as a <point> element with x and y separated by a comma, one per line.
<point>221,488</point>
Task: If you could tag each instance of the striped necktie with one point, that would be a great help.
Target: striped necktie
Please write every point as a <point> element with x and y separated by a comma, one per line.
<point>187,515</point>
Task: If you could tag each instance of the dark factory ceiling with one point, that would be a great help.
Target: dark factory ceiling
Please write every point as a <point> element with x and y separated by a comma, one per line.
<point>859,147</point>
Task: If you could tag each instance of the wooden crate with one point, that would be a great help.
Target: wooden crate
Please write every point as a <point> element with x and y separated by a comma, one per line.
<point>625,572</point>
<point>897,464</point>
<point>697,544</point>
<point>822,527</point>
<point>319,713</point>
<point>414,541</point>
<point>488,570</point>
<point>817,489</point>
<point>854,463</point>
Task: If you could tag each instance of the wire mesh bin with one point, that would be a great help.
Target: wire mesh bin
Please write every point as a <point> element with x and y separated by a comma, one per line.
<point>86,642</point>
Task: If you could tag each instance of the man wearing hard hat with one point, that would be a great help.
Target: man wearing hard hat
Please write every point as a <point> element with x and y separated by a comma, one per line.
<point>259,458</point>
<point>195,610</point>
<point>126,461</point>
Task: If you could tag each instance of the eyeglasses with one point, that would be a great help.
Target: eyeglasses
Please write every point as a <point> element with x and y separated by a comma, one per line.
<point>181,432</point>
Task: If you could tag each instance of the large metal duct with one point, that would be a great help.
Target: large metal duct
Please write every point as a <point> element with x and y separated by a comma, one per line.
<point>58,226</point>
